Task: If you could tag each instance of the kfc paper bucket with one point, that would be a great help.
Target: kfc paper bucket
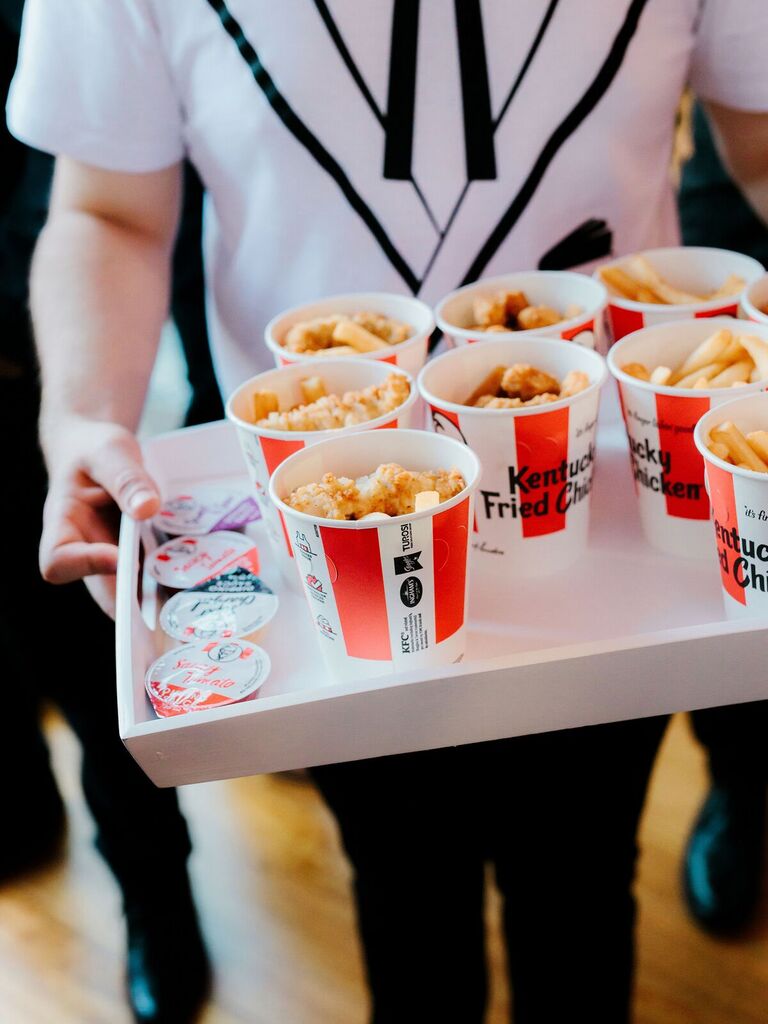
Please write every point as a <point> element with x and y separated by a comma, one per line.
<point>660,420</point>
<point>577,300</point>
<point>697,282</point>
<point>754,301</point>
<point>409,354</point>
<point>385,594</point>
<point>739,497</point>
<point>532,509</point>
<point>265,448</point>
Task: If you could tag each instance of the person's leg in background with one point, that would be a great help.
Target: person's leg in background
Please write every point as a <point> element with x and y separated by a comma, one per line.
<point>723,865</point>
<point>188,306</point>
<point>723,861</point>
<point>411,829</point>
<point>564,809</point>
<point>63,646</point>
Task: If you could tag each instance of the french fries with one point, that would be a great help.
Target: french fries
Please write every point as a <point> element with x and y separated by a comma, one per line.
<point>263,403</point>
<point>348,333</point>
<point>512,311</point>
<point>345,334</point>
<point>639,281</point>
<point>312,388</point>
<point>510,387</point>
<point>746,452</point>
<point>723,360</point>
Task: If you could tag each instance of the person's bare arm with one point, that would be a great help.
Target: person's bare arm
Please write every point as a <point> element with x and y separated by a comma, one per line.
<point>99,292</point>
<point>742,140</point>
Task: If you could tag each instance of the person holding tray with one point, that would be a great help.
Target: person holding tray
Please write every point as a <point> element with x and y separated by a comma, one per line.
<point>405,147</point>
<point>138,826</point>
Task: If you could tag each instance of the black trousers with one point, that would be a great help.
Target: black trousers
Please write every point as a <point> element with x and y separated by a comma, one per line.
<point>59,645</point>
<point>736,741</point>
<point>556,814</point>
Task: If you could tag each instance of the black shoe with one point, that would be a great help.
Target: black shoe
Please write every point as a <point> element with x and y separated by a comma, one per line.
<point>723,859</point>
<point>33,837</point>
<point>169,975</point>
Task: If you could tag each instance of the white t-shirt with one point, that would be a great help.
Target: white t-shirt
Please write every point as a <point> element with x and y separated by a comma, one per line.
<point>383,144</point>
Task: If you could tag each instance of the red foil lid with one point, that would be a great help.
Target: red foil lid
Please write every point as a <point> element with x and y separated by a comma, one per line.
<point>201,676</point>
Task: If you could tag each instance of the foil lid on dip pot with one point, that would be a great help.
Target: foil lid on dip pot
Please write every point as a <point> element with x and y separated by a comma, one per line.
<point>205,509</point>
<point>237,604</point>
<point>185,562</point>
<point>201,676</point>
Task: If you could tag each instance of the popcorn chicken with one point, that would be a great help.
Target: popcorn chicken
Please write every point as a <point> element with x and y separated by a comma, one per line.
<point>573,382</point>
<point>331,412</point>
<point>512,311</point>
<point>521,384</point>
<point>524,382</point>
<point>533,317</point>
<point>390,490</point>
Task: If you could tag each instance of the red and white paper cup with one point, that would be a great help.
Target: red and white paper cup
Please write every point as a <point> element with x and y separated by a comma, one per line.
<point>532,509</point>
<point>385,595</point>
<point>409,355</point>
<point>558,289</point>
<point>739,510</point>
<point>667,468</point>
<point>754,301</point>
<point>692,268</point>
<point>265,449</point>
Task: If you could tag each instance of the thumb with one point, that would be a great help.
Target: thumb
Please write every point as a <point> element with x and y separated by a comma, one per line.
<point>118,467</point>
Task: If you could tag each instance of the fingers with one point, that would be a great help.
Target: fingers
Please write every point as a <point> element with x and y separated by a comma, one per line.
<point>117,466</point>
<point>102,590</point>
<point>77,539</point>
<point>71,561</point>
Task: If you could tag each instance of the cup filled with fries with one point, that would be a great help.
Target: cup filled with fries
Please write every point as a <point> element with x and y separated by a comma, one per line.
<point>669,377</point>
<point>368,325</point>
<point>755,300</point>
<point>380,527</point>
<point>558,304</point>
<point>528,407</point>
<point>678,283</point>
<point>283,411</point>
<point>733,440</point>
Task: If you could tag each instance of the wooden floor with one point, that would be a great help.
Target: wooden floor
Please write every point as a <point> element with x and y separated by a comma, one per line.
<point>274,897</point>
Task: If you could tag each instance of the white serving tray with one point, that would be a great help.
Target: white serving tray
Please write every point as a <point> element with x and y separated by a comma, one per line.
<point>626,633</point>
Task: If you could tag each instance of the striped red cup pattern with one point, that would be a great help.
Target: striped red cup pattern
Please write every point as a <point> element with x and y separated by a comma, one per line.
<point>667,469</point>
<point>264,450</point>
<point>739,511</point>
<point>693,268</point>
<point>385,595</point>
<point>755,300</point>
<point>532,508</point>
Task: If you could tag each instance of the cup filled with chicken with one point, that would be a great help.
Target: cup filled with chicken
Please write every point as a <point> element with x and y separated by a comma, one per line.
<point>528,407</point>
<point>558,304</point>
<point>669,377</point>
<point>660,285</point>
<point>733,441</point>
<point>368,325</point>
<point>283,411</point>
<point>380,526</point>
